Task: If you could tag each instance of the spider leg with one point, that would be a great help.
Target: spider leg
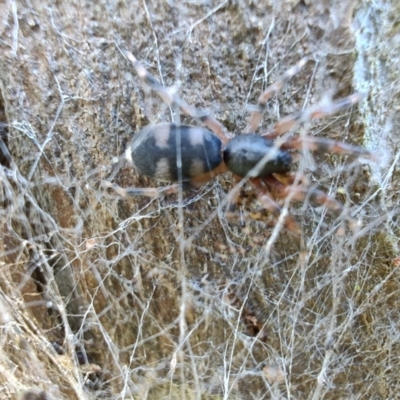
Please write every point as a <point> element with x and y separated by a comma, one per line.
<point>172,99</point>
<point>256,116</point>
<point>202,179</point>
<point>234,195</point>
<point>287,123</point>
<point>292,177</point>
<point>193,183</point>
<point>231,211</point>
<point>322,145</point>
<point>302,192</point>
<point>319,197</point>
<point>148,192</point>
<point>263,196</point>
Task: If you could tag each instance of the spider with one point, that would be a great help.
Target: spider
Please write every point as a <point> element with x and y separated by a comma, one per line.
<point>265,160</point>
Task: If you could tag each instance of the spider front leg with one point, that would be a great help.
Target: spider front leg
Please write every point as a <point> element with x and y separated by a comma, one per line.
<point>256,116</point>
<point>301,192</point>
<point>234,195</point>
<point>321,145</point>
<point>287,123</point>
<point>171,99</point>
<point>231,213</point>
<point>263,196</point>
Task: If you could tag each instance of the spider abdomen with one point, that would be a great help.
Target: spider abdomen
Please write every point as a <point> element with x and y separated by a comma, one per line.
<point>244,152</point>
<point>154,151</point>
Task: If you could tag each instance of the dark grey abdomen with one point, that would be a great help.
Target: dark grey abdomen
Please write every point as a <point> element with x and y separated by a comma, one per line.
<point>154,151</point>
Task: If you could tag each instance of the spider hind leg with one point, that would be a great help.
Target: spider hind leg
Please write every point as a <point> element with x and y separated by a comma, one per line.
<point>147,192</point>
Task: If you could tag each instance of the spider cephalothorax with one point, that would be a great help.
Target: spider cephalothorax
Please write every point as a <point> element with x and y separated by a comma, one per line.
<point>193,155</point>
<point>243,154</point>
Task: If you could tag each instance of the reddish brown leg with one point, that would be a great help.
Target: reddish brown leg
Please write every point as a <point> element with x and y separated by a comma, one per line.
<point>171,99</point>
<point>256,116</point>
<point>322,146</point>
<point>232,214</point>
<point>292,177</point>
<point>234,196</point>
<point>272,206</point>
<point>281,188</point>
<point>287,123</point>
<point>202,179</point>
<point>300,193</point>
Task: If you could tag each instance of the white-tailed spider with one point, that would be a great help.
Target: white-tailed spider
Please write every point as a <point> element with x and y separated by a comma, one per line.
<point>192,155</point>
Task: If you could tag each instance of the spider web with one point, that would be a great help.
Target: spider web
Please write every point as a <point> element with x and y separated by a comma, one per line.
<point>103,298</point>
